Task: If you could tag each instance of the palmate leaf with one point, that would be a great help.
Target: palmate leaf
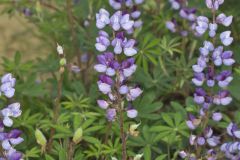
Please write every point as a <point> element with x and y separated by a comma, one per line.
<point>148,50</point>
<point>147,107</point>
<point>32,153</point>
<point>175,126</point>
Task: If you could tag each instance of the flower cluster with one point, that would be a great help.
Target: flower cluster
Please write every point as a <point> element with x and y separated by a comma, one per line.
<point>186,14</point>
<point>231,149</point>
<point>211,81</point>
<point>114,70</point>
<point>11,138</point>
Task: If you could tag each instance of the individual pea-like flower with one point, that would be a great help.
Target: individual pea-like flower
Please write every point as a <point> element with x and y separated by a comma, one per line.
<point>134,93</point>
<point>226,38</point>
<point>208,47</point>
<point>224,20</point>
<point>102,41</point>
<point>232,130</point>
<point>118,43</point>
<point>222,98</point>
<point>107,64</point>
<point>201,64</point>
<point>120,20</point>
<point>224,78</point>
<point>172,25</point>
<point>131,112</point>
<point>111,114</point>
<point>188,13</point>
<point>227,58</point>
<point>13,110</point>
<point>175,4</point>
<point>7,86</point>
<point>199,95</point>
<point>214,4</point>
<point>10,139</point>
<point>104,84</point>
<point>135,13</point>
<point>103,104</point>
<point>193,122</point>
<point>210,138</point>
<point>116,4</point>
<point>217,116</point>
<point>198,79</point>
<point>102,18</point>
<point>202,24</point>
<point>210,77</point>
<point>128,67</point>
<point>212,29</point>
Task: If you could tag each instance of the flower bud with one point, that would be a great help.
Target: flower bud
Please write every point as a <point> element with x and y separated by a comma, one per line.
<point>138,157</point>
<point>63,61</point>
<point>41,140</point>
<point>133,129</point>
<point>77,137</point>
<point>59,49</point>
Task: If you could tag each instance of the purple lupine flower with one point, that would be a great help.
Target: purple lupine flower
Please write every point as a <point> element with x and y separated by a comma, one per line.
<point>132,113</point>
<point>103,104</point>
<point>8,82</point>
<point>104,84</point>
<point>202,24</point>
<point>128,67</point>
<point>201,141</point>
<point>224,20</point>
<point>233,130</point>
<point>210,77</point>
<point>111,114</point>
<point>198,79</point>
<point>102,41</point>
<point>13,110</point>
<point>222,98</point>
<point>182,154</point>
<point>134,93</point>
<point>107,64</point>
<point>201,64</point>
<point>212,29</point>
<point>192,139</point>
<point>102,18</point>
<point>227,58</point>
<point>172,25</point>
<point>116,4</point>
<point>199,95</point>
<point>9,139</point>
<point>175,4</point>
<point>216,56</point>
<point>214,4</point>
<point>208,47</point>
<point>224,78</point>
<point>193,122</point>
<point>225,38</point>
<point>118,43</point>
<point>188,13</point>
<point>217,116</point>
<point>115,73</point>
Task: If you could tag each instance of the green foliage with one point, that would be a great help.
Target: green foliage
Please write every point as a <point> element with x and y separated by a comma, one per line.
<point>164,72</point>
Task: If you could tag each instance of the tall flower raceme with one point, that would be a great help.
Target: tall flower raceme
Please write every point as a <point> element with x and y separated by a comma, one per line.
<point>211,82</point>
<point>116,63</point>
<point>9,137</point>
<point>186,22</point>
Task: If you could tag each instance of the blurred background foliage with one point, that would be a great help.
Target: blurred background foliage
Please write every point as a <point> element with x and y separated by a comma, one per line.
<point>30,30</point>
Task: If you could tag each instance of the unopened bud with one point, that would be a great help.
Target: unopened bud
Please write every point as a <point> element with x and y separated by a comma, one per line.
<point>41,140</point>
<point>77,137</point>
<point>59,49</point>
<point>63,61</point>
<point>133,129</point>
<point>138,157</point>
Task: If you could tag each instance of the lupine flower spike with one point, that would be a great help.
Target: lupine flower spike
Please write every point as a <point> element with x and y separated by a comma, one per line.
<point>208,73</point>
<point>115,73</point>
<point>10,138</point>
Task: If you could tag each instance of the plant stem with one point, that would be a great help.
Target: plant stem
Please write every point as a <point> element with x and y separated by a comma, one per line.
<point>122,133</point>
<point>56,110</point>
<point>70,150</point>
<point>73,31</point>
